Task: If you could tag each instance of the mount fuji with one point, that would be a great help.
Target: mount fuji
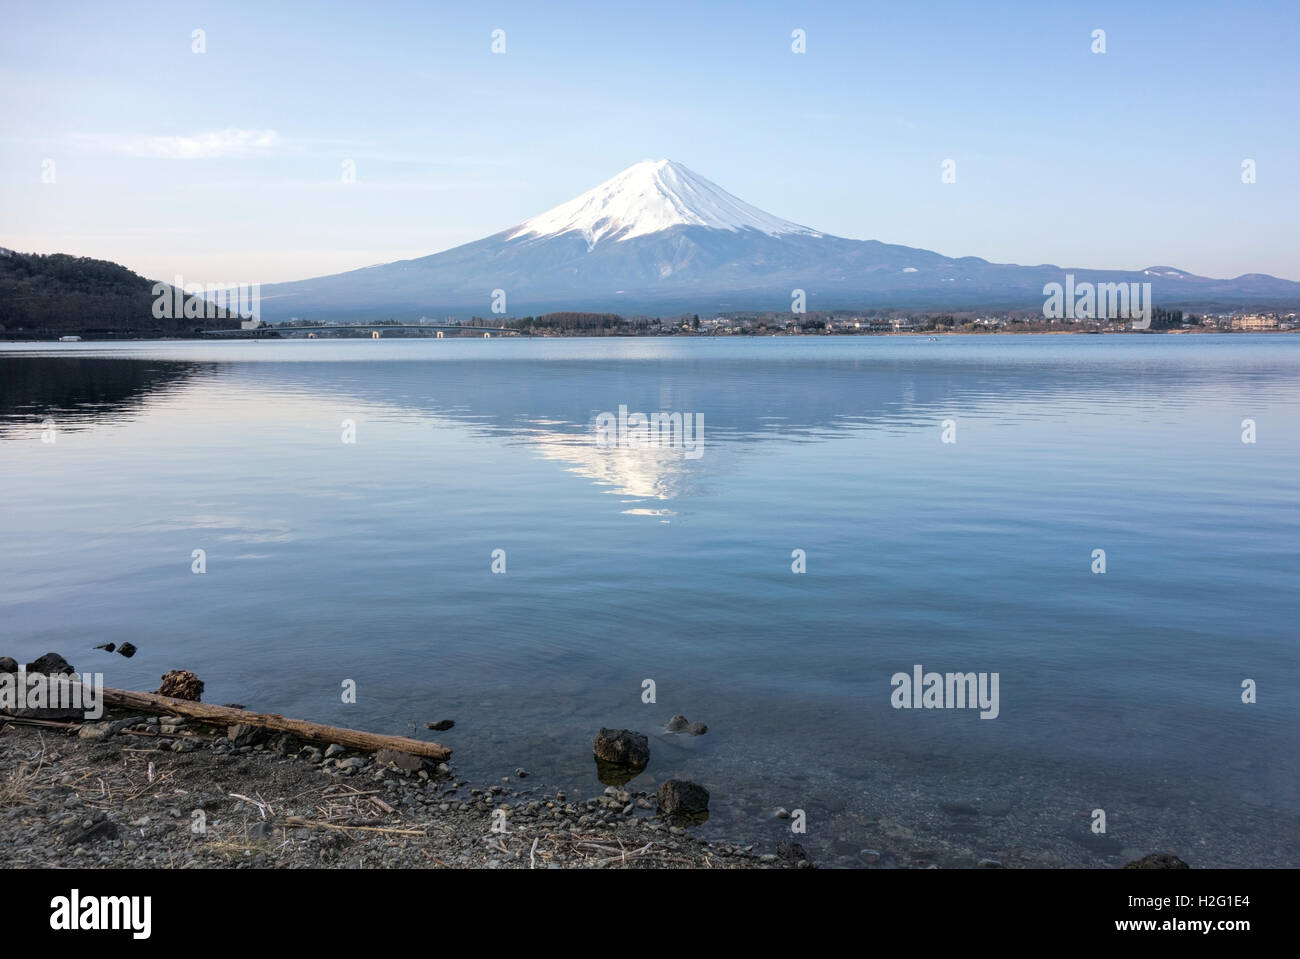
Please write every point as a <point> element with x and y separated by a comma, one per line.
<point>658,237</point>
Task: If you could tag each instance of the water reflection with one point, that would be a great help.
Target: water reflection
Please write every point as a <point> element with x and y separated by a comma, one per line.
<point>551,407</point>
<point>372,560</point>
<point>82,391</point>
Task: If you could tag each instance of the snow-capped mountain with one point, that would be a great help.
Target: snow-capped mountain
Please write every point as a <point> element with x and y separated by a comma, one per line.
<point>659,238</point>
<point>650,197</point>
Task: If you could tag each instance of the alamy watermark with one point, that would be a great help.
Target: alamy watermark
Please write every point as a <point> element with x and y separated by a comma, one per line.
<point>75,912</point>
<point>922,690</point>
<point>23,690</point>
<point>683,431</point>
<point>1093,301</point>
<point>196,301</point>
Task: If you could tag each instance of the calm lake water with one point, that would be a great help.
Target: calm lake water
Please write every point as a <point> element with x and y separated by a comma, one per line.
<point>372,561</point>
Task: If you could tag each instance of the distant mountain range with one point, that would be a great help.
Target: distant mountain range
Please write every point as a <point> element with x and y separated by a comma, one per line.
<point>658,238</point>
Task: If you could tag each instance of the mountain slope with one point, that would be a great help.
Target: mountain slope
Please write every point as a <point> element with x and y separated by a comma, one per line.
<point>657,237</point>
<point>58,293</point>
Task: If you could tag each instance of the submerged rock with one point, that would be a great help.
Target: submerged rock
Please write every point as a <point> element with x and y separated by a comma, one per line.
<point>616,774</point>
<point>127,650</point>
<point>680,724</point>
<point>622,747</point>
<point>441,725</point>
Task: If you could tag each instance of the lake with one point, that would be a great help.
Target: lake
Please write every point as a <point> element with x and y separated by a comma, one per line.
<point>948,497</point>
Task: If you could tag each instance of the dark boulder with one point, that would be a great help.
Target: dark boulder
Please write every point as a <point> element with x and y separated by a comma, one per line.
<point>241,734</point>
<point>622,747</point>
<point>1157,860</point>
<point>51,664</point>
<point>406,762</point>
<point>681,797</point>
<point>790,851</point>
<point>8,665</point>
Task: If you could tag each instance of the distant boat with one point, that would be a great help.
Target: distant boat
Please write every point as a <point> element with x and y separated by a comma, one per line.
<point>69,339</point>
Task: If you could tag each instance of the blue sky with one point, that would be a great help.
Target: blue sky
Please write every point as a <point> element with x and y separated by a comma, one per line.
<point>226,166</point>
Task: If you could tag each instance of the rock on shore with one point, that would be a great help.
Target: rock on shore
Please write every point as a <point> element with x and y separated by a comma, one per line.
<point>681,797</point>
<point>1157,860</point>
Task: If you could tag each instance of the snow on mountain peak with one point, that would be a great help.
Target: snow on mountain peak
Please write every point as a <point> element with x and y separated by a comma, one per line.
<point>648,197</point>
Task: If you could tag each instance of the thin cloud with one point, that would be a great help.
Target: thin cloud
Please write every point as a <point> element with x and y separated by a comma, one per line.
<point>209,144</point>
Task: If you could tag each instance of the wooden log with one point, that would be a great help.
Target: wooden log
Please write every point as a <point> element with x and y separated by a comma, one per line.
<point>311,732</point>
<point>26,721</point>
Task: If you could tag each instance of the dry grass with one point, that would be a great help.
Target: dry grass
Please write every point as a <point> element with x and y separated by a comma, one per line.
<point>23,781</point>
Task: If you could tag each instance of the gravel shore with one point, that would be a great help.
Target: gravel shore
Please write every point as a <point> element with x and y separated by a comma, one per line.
<point>163,792</point>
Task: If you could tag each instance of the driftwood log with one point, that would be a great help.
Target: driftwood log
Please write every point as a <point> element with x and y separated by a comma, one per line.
<point>310,732</point>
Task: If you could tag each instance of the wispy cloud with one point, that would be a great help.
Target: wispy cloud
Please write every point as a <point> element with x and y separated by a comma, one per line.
<point>209,144</point>
<point>386,185</point>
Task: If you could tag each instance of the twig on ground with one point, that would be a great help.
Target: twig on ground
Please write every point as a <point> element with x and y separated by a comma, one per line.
<point>313,824</point>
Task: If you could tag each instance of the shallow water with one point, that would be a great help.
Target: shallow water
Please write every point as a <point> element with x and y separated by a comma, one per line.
<point>371,561</point>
